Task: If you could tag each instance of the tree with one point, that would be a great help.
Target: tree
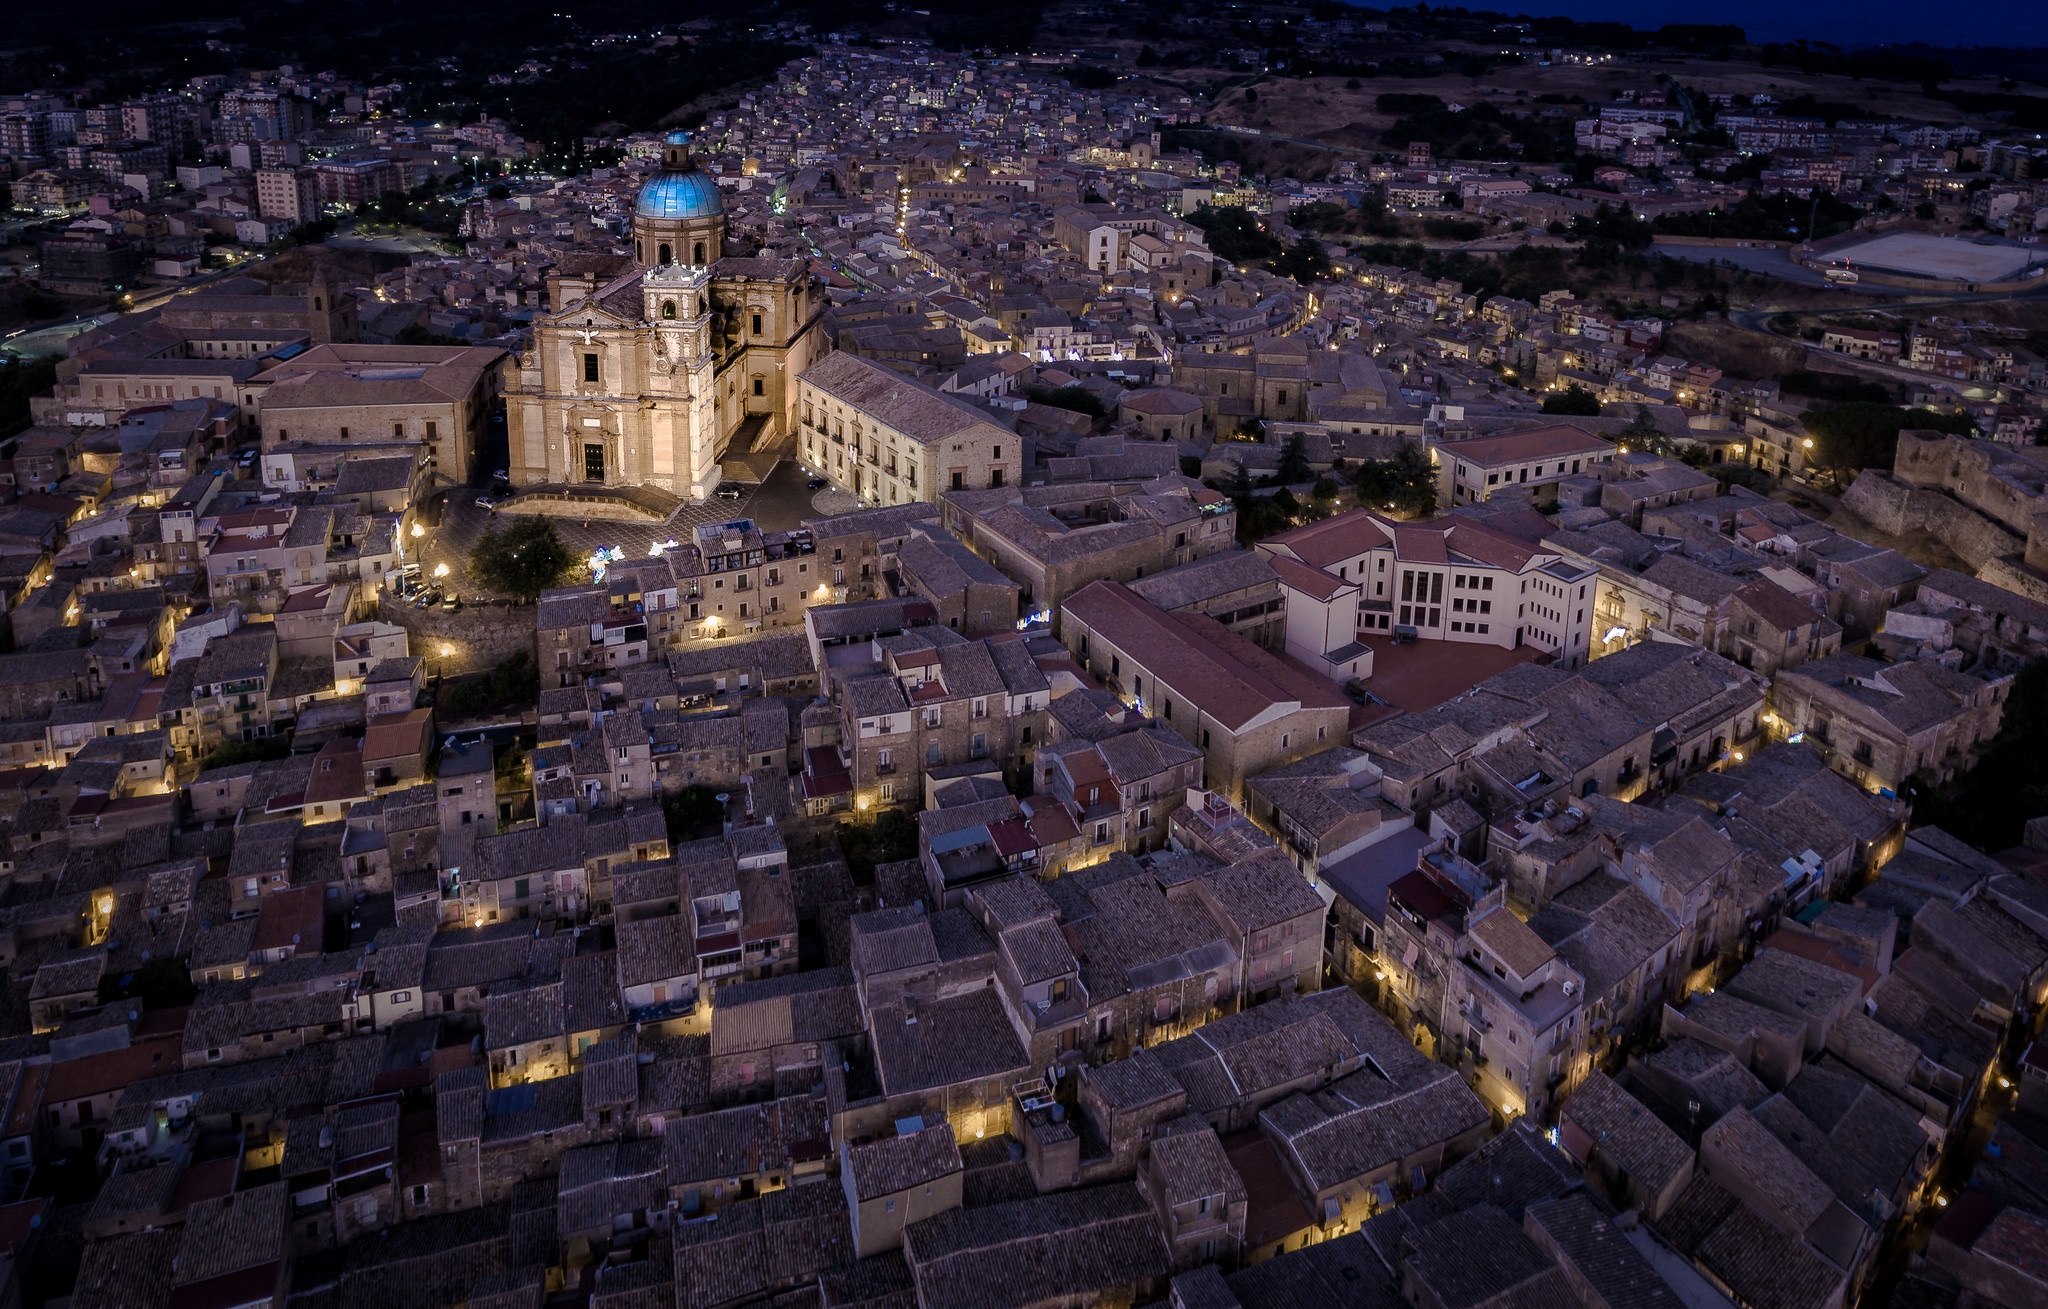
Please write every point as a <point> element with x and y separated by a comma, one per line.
<point>1575,400</point>
<point>1074,398</point>
<point>888,837</point>
<point>1235,235</point>
<point>1294,465</point>
<point>1305,261</point>
<point>1323,497</point>
<point>1848,438</point>
<point>1241,485</point>
<point>523,559</point>
<point>1992,802</point>
<point>1404,485</point>
<point>692,813</point>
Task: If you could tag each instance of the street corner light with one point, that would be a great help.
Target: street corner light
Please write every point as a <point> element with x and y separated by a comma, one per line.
<point>440,570</point>
<point>418,531</point>
<point>447,650</point>
<point>1808,443</point>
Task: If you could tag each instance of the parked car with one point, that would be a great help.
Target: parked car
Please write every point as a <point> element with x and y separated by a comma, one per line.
<point>730,491</point>
<point>817,484</point>
<point>487,502</point>
<point>428,598</point>
<point>451,604</point>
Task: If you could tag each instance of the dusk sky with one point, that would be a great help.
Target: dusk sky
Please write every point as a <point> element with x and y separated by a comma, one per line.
<point>1845,22</point>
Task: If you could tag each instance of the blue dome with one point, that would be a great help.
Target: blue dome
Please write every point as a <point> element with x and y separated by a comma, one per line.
<point>679,138</point>
<point>679,195</point>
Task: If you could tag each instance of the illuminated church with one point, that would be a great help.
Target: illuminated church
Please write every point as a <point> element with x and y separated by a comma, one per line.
<point>641,376</point>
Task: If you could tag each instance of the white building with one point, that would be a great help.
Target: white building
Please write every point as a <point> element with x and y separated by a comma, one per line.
<point>1478,467</point>
<point>1358,576</point>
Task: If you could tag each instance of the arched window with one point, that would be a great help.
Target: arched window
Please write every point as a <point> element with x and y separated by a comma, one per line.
<point>699,259</point>
<point>662,252</point>
<point>668,309</point>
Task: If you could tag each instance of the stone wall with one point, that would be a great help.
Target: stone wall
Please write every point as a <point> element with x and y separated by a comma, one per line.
<point>1893,507</point>
<point>474,638</point>
<point>2000,481</point>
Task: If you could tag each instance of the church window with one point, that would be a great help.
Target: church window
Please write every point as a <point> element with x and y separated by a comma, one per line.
<point>699,258</point>
<point>668,309</point>
<point>760,386</point>
<point>757,324</point>
<point>590,367</point>
<point>661,253</point>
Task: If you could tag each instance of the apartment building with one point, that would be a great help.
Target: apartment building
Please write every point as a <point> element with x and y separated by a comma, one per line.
<point>1479,467</point>
<point>890,440</point>
<point>736,578</point>
<point>1361,576</point>
<point>292,194</point>
<point>1121,790</point>
<point>1879,724</point>
<point>1245,708</point>
<point>930,700</point>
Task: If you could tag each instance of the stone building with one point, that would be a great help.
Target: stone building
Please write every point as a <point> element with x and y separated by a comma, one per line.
<point>643,377</point>
<point>891,440</point>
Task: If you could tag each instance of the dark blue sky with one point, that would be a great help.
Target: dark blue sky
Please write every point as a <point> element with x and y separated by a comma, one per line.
<point>1844,22</point>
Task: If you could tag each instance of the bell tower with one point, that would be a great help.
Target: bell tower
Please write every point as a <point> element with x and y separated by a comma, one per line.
<point>681,398</point>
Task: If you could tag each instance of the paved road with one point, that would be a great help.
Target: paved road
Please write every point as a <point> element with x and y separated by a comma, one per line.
<point>54,338</point>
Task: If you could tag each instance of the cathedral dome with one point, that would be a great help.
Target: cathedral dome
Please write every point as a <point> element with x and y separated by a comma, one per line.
<point>688,194</point>
<point>679,190</point>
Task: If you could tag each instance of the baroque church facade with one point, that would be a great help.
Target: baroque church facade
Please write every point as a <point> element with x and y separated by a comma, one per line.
<point>644,369</point>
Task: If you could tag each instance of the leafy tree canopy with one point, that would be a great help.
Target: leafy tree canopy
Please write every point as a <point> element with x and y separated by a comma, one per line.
<point>1076,399</point>
<point>1404,485</point>
<point>1850,437</point>
<point>524,558</point>
<point>1575,400</point>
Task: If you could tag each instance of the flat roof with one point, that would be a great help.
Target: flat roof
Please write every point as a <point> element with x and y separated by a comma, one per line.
<point>1947,258</point>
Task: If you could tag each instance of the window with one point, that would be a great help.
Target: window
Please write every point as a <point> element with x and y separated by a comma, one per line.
<point>590,366</point>
<point>757,325</point>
